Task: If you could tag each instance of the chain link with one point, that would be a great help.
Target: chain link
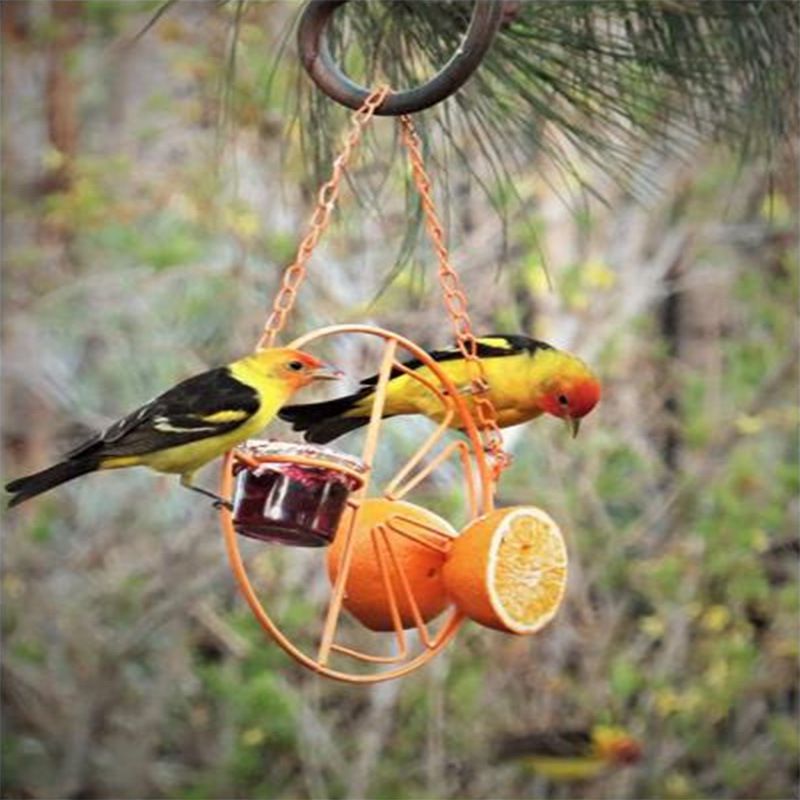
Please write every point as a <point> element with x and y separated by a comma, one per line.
<point>454,297</point>
<point>455,301</point>
<point>295,273</point>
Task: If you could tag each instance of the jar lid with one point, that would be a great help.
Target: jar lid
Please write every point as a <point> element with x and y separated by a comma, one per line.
<point>272,448</point>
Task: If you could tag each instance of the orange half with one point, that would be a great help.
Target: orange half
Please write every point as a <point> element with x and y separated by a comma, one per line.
<point>395,576</point>
<point>508,569</point>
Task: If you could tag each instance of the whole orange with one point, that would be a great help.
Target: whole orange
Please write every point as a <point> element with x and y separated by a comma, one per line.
<point>508,569</point>
<point>398,548</point>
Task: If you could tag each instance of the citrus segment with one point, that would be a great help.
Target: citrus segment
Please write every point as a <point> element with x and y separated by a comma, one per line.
<point>508,569</point>
<point>398,549</point>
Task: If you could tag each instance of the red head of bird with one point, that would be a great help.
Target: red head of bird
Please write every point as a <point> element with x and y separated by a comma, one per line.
<point>616,746</point>
<point>571,391</point>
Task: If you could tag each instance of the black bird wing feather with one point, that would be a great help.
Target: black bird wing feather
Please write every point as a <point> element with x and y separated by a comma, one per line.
<point>492,346</point>
<point>559,744</point>
<point>180,415</point>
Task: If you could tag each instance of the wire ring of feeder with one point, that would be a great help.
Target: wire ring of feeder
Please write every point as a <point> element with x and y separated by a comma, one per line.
<point>487,15</point>
<point>480,484</point>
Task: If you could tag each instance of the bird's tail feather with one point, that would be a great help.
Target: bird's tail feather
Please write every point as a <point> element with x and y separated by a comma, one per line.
<point>31,485</point>
<point>325,421</point>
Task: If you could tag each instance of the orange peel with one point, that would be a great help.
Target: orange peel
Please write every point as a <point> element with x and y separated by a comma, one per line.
<point>398,549</point>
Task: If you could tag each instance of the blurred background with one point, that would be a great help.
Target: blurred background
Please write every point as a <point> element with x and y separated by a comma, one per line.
<point>158,172</point>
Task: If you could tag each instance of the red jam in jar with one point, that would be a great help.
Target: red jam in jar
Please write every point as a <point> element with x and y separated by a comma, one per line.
<point>280,500</point>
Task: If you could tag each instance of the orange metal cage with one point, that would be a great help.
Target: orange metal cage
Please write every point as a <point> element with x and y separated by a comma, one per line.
<point>478,479</point>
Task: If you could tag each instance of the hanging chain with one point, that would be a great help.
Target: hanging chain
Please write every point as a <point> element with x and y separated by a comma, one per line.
<point>454,297</point>
<point>295,273</point>
<point>456,303</point>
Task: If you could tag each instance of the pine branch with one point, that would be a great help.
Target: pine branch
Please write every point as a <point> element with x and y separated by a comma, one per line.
<point>607,76</point>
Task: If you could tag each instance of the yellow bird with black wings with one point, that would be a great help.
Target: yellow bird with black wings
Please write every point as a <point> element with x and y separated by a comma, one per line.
<point>190,424</point>
<point>571,755</point>
<point>526,377</point>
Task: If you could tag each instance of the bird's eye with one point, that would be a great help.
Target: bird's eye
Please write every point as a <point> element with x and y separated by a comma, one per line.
<point>563,399</point>
<point>296,366</point>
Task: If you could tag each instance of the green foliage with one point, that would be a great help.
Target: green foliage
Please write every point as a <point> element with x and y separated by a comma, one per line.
<point>131,667</point>
<point>679,69</point>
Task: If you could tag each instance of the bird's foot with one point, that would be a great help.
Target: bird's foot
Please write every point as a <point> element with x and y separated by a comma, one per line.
<point>219,502</point>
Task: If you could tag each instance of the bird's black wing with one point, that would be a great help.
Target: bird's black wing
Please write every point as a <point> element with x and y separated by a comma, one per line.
<point>560,744</point>
<point>208,404</point>
<point>492,346</point>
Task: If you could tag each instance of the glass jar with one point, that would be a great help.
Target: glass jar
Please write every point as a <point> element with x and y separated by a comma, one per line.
<point>296,494</point>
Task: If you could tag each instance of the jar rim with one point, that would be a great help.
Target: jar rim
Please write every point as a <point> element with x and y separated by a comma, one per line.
<point>275,447</point>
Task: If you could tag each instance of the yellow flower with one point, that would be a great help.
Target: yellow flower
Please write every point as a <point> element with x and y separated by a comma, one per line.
<point>598,275</point>
<point>667,701</point>
<point>652,626</point>
<point>760,540</point>
<point>716,619</point>
<point>244,222</point>
<point>749,424</point>
<point>253,737</point>
<point>717,674</point>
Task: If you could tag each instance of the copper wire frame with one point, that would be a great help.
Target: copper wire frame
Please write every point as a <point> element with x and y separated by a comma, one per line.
<point>480,490</point>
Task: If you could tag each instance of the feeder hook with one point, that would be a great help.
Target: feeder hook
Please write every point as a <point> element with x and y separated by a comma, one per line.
<point>487,16</point>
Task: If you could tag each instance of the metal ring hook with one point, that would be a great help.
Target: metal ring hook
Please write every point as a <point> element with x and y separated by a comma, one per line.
<point>315,54</point>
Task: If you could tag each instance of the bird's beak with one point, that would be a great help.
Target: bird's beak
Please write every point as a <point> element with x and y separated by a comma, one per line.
<point>325,372</point>
<point>574,424</point>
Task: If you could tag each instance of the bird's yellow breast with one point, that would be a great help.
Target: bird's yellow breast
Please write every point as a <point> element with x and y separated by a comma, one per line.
<point>565,769</point>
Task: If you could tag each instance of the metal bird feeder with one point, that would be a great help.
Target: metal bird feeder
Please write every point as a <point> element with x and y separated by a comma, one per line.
<point>467,453</point>
<point>316,497</point>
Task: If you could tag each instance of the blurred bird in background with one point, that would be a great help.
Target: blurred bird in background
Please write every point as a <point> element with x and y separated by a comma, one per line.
<point>526,378</point>
<point>572,755</point>
<point>190,424</point>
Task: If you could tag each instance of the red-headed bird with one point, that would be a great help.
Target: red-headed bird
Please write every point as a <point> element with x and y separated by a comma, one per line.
<point>572,755</point>
<point>526,377</point>
<point>191,423</point>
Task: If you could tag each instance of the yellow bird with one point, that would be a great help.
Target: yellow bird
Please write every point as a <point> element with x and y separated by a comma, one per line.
<point>573,755</point>
<point>526,378</point>
<point>190,424</point>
